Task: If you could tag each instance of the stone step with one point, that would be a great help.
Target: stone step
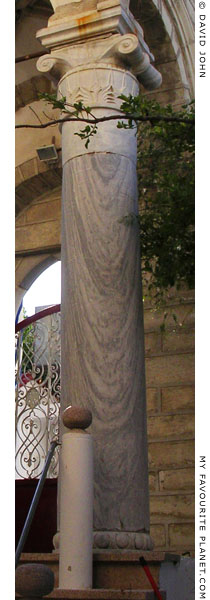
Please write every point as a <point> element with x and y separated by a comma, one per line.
<point>95,594</point>
<point>104,594</point>
<point>116,570</point>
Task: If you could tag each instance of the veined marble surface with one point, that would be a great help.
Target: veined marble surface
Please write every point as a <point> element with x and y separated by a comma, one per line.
<point>102,332</point>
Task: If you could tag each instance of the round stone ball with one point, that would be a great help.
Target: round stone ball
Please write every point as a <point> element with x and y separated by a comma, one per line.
<point>34,580</point>
<point>75,417</point>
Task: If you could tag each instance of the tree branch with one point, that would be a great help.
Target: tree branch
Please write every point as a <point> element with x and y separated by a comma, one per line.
<point>96,120</point>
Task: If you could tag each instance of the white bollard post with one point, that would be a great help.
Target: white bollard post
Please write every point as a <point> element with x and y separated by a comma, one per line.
<point>76,501</point>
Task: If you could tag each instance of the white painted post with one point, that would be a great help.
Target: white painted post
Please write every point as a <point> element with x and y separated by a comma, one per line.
<point>76,501</point>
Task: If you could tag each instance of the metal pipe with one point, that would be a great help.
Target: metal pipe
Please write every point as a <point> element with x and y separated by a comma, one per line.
<point>34,503</point>
<point>144,564</point>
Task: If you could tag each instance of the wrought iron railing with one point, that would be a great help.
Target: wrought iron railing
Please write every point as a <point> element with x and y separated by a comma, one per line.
<point>37,392</point>
<point>35,502</point>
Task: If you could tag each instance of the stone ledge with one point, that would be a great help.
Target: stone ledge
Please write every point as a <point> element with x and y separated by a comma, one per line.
<point>95,594</point>
<point>106,555</point>
<point>112,570</point>
<point>103,594</point>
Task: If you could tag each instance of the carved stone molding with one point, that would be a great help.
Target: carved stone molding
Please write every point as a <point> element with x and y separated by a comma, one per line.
<point>122,51</point>
<point>80,23</point>
<point>122,540</point>
<point>115,540</point>
<point>106,32</point>
<point>98,86</point>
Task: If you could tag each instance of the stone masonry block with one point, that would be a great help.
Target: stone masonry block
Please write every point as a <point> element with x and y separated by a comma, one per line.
<point>175,298</point>
<point>164,51</point>
<point>178,341</point>
<point>171,507</point>
<point>152,401</point>
<point>181,534</point>
<point>185,314</point>
<point>18,262</point>
<point>28,169</point>
<point>152,481</point>
<point>164,370</point>
<point>41,165</point>
<point>171,454</point>
<point>18,177</point>
<point>18,99</point>
<point>152,343</point>
<point>175,399</point>
<point>44,211</point>
<point>20,220</point>
<point>168,95</point>
<point>170,426</point>
<point>27,91</point>
<point>171,76</point>
<point>158,535</point>
<point>177,479</point>
<point>38,236</point>
<point>49,196</point>
<point>41,84</point>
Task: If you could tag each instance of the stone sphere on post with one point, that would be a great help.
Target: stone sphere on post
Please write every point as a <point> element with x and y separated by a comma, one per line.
<point>75,417</point>
<point>34,581</point>
<point>76,501</point>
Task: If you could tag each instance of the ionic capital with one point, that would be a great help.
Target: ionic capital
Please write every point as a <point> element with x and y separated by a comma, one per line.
<point>122,51</point>
<point>85,32</point>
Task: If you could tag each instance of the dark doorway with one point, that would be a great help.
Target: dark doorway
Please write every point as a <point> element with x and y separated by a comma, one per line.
<point>44,525</point>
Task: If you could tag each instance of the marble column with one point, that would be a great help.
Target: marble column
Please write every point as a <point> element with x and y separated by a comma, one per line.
<point>96,55</point>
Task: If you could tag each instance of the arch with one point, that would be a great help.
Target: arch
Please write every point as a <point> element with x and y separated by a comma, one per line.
<point>37,238</point>
<point>29,90</point>
<point>178,19</point>
<point>28,269</point>
<point>34,178</point>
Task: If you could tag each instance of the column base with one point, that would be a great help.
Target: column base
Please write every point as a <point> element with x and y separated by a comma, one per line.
<point>122,540</point>
<point>115,540</point>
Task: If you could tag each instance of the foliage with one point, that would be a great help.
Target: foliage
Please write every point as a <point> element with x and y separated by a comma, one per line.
<point>74,110</point>
<point>166,199</point>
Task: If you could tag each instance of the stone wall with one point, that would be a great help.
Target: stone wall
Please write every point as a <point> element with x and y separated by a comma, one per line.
<point>170,407</point>
<point>38,230</point>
